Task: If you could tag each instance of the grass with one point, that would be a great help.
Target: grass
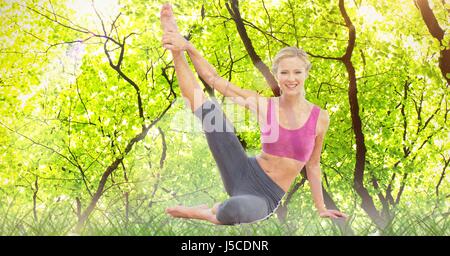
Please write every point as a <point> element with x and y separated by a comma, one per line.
<point>58,219</point>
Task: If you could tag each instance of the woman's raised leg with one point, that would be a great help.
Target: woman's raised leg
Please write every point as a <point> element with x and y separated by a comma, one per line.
<point>190,89</point>
<point>194,96</point>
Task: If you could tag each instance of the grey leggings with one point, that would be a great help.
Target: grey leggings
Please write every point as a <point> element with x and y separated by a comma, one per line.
<point>253,194</point>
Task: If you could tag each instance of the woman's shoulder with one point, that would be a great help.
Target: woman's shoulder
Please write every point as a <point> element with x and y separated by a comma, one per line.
<point>323,112</point>
<point>323,118</point>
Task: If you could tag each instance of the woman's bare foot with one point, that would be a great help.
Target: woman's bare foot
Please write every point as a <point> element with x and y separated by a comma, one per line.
<point>200,212</point>
<point>168,22</point>
<point>181,211</point>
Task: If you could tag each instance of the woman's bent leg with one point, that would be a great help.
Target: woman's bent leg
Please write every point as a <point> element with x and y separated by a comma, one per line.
<point>236,210</point>
<point>201,212</point>
<point>242,209</point>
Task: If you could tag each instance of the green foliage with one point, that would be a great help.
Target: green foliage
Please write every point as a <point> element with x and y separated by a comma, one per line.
<point>67,114</point>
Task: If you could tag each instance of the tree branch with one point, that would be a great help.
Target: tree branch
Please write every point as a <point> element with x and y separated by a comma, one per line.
<point>39,144</point>
<point>402,187</point>
<point>164,147</point>
<point>430,20</point>
<point>112,167</point>
<point>389,190</point>
<point>438,33</point>
<point>446,164</point>
<point>265,71</point>
<point>35,191</point>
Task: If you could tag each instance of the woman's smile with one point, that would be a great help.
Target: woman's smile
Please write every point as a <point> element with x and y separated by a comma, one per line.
<point>291,86</point>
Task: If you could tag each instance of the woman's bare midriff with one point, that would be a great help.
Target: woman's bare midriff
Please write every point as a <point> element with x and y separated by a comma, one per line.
<point>281,170</point>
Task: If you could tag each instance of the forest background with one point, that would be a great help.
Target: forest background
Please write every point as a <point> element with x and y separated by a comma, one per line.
<point>95,138</point>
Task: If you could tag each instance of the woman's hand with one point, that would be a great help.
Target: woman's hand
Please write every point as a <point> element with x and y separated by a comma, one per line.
<point>174,41</point>
<point>334,214</point>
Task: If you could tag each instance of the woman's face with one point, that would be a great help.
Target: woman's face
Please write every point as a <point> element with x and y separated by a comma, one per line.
<point>291,75</point>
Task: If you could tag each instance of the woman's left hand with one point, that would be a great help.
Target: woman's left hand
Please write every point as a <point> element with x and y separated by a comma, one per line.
<point>174,41</point>
<point>334,214</point>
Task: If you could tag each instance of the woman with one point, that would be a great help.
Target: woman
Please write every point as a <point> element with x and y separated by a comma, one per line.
<point>293,131</point>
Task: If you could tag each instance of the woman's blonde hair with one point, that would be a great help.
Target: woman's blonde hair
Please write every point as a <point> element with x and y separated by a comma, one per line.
<point>287,52</point>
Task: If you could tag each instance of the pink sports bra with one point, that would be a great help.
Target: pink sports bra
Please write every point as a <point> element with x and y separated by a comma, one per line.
<point>292,143</point>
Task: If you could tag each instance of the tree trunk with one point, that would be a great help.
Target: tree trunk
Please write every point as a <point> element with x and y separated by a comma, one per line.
<point>111,168</point>
<point>358,182</point>
<point>438,33</point>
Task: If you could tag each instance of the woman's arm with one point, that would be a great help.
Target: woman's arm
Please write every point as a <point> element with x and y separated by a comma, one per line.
<point>207,72</point>
<point>314,173</point>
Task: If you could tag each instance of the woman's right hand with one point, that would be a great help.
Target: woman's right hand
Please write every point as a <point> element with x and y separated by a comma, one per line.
<point>174,41</point>
<point>334,214</point>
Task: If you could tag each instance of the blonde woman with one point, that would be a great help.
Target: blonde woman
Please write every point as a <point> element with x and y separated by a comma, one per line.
<point>292,134</point>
